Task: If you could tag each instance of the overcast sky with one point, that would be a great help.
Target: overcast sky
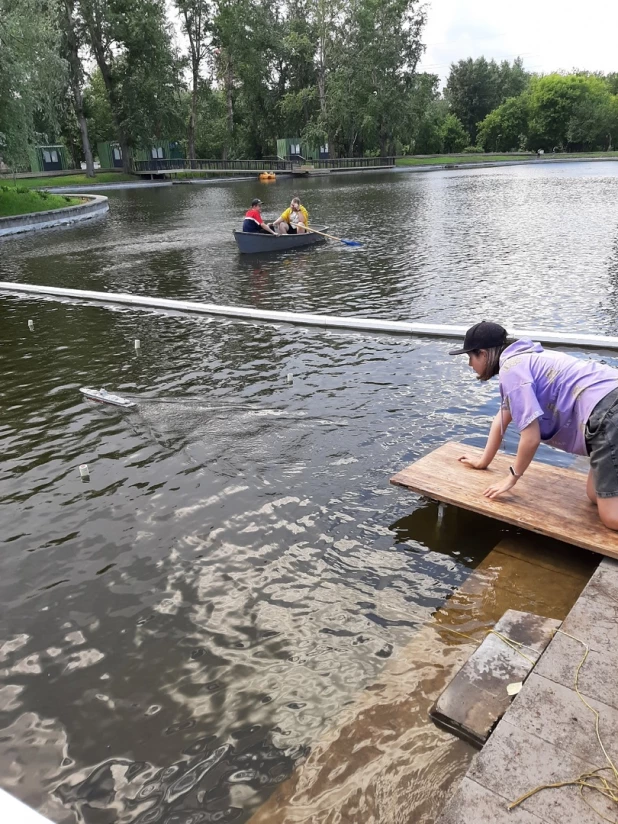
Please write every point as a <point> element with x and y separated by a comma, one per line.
<point>549,36</point>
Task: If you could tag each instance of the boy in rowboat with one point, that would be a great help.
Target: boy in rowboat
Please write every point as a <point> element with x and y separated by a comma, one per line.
<point>253,221</point>
<point>294,220</point>
<point>567,402</point>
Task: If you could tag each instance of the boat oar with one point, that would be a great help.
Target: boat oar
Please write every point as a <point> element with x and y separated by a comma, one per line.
<point>332,237</point>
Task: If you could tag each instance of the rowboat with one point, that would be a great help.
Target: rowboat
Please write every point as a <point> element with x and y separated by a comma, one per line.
<point>253,242</point>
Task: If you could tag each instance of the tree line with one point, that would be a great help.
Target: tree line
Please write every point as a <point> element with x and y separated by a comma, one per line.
<point>229,77</point>
<point>492,107</point>
<point>342,73</point>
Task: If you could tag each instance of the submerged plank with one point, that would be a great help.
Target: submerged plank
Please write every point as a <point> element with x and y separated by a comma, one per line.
<point>477,697</point>
<point>549,500</point>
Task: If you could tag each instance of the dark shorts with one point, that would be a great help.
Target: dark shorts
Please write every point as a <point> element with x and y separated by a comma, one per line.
<point>249,225</point>
<point>602,445</point>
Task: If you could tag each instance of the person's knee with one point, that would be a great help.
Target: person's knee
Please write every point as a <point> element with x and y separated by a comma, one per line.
<point>608,512</point>
<point>610,520</point>
<point>283,228</point>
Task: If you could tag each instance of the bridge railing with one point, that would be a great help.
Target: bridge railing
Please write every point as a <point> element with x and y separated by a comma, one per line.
<point>163,165</point>
<point>180,164</point>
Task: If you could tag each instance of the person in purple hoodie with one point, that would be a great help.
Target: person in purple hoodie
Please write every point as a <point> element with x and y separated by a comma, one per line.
<point>567,402</point>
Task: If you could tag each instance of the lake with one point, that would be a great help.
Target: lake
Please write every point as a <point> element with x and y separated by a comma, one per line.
<point>182,627</point>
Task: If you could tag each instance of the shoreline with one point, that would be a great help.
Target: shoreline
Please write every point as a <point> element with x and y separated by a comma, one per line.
<point>91,206</point>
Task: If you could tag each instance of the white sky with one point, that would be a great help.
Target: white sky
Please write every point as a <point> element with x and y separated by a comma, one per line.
<point>549,36</point>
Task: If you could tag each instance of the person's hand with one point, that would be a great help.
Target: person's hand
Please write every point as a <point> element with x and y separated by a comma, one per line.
<point>473,463</point>
<point>499,489</point>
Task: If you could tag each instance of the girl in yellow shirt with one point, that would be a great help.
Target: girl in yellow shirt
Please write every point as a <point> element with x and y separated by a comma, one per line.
<point>293,220</point>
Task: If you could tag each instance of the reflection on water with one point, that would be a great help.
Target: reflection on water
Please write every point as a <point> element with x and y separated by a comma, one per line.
<point>178,633</point>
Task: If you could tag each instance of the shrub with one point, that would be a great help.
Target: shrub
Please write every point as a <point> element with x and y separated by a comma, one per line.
<point>474,150</point>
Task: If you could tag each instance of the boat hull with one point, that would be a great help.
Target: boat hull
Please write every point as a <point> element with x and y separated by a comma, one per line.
<point>250,243</point>
<point>103,396</point>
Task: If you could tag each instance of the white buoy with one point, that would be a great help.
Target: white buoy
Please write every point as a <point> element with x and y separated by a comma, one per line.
<point>84,471</point>
<point>31,325</point>
<point>137,343</point>
<point>290,378</point>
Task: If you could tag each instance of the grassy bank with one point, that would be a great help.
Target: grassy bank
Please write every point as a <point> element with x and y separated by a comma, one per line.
<point>67,180</point>
<point>466,158</point>
<point>19,201</point>
<point>493,158</point>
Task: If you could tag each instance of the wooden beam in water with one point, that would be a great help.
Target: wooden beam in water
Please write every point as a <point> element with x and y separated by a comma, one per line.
<point>548,500</point>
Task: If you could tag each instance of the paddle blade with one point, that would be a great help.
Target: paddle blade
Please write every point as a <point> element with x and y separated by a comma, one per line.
<point>351,242</point>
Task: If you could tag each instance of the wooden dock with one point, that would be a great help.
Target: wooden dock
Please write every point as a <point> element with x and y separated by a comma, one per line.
<point>548,500</point>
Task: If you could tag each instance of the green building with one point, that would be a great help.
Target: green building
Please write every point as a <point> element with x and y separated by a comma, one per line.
<point>160,150</point>
<point>110,153</point>
<point>53,158</point>
<point>294,148</point>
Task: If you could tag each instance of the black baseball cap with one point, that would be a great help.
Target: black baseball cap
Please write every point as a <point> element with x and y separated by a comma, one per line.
<point>256,201</point>
<point>483,335</point>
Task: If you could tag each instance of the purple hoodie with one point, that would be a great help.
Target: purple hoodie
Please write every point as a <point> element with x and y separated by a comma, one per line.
<point>558,389</point>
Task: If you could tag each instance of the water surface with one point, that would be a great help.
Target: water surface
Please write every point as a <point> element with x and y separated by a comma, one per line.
<point>178,631</point>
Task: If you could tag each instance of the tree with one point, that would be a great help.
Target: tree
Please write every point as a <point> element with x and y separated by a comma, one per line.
<point>378,64</point>
<point>454,136</point>
<point>326,26</point>
<point>612,82</point>
<point>430,133</point>
<point>211,132</point>
<point>554,101</point>
<point>297,99</point>
<point>101,126</point>
<point>71,45</point>
<point>245,34</point>
<point>472,90</point>
<point>593,120</point>
<point>513,80</point>
<point>195,20</point>
<point>130,42</point>
<point>505,129</point>
<point>476,87</point>
<point>32,76</point>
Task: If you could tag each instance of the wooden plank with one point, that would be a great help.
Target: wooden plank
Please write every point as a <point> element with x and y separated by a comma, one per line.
<point>477,696</point>
<point>549,500</point>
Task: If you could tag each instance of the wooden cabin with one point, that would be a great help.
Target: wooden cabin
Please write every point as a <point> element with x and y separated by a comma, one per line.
<point>49,158</point>
<point>110,153</point>
<point>294,148</point>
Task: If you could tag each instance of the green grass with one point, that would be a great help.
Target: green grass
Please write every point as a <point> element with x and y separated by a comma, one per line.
<point>18,201</point>
<point>490,158</point>
<point>67,180</point>
<point>466,158</point>
<point>583,154</point>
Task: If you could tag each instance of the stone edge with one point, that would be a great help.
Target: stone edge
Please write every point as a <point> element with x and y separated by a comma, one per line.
<point>96,205</point>
<point>459,807</point>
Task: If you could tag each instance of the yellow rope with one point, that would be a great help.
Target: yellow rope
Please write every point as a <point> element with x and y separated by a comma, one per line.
<point>607,787</point>
<point>516,646</point>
